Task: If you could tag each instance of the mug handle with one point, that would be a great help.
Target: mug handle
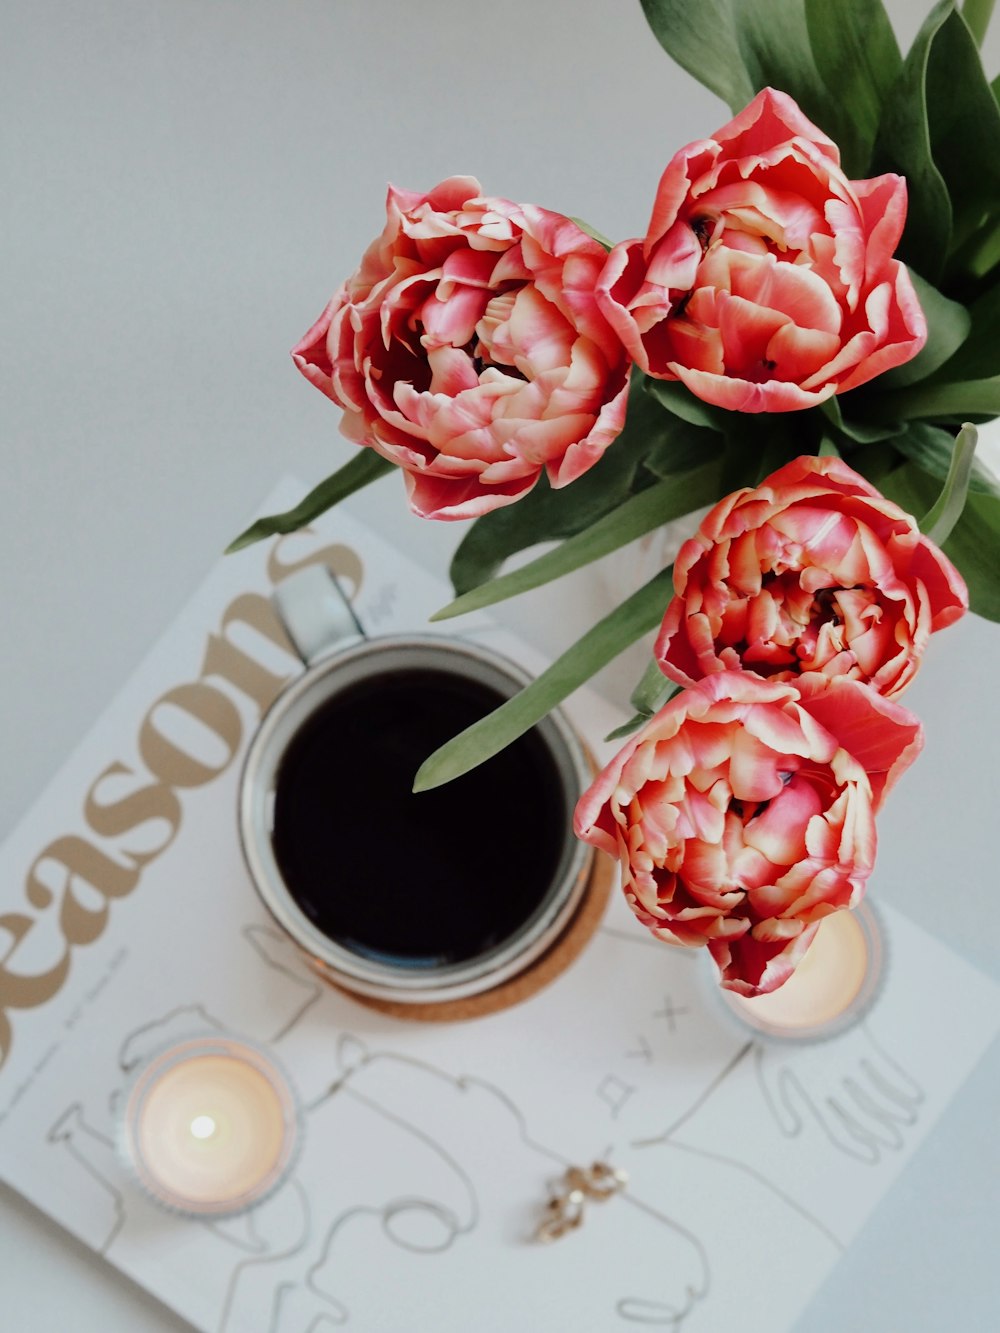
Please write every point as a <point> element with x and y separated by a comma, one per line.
<point>315,612</point>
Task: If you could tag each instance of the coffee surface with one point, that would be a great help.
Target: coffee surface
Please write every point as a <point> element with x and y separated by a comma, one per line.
<point>418,880</point>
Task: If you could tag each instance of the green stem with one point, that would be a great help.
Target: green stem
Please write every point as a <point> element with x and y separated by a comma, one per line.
<point>977,15</point>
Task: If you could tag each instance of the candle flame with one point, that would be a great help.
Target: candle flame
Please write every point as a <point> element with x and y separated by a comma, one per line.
<point>203,1127</point>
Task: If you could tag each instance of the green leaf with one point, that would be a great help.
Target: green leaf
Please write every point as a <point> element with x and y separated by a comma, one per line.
<point>941,518</point>
<point>680,448</point>
<point>861,431</point>
<point>758,443</point>
<point>948,325</point>
<point>545,514</point>
<point>672,444</point>
<point>941,129</point>
<point>653,444</point>
<point>964,125</point>
<point>942,402</point>
<point>875,461</point>
<point>858,59</point>
<point>974,544</point>
<point>978,256</point>
<point>640,514</point>
<point>904,145</point>
<point>977,15</point>
<point>653,689</point>
<point>701,35</point>
<point>609,637</point>
<point>366,467</point>
<point>539,516</point>
<point>738,47</point>
<point>932,449</point>
<point>678,399</point>
<point>774,46</point>
<point>979,357</point>
<point>636,721</point>
<point>828,448</point>
<point>777,453</point>
<point>649,696</point>
<point>593,233</point>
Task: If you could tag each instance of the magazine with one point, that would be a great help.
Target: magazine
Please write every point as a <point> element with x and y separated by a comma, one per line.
<point>128,921</point>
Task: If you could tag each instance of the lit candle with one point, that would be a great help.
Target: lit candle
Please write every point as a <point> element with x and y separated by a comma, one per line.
<point>831,986</point>
<point>210,1126</point>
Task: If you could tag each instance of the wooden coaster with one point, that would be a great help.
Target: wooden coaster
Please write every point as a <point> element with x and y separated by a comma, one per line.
<point>527,983</point>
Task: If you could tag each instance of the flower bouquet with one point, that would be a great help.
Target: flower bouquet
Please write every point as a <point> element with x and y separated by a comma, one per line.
<point>803,340</point>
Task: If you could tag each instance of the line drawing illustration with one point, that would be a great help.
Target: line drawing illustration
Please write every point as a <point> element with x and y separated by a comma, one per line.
<point>277,951</point>
<point>768,1185</point>
<point>703,1097</point>
<point>857,1096</point>
<point>671,1012</point>
<point>645,1051</point>
<point>496,1106</point>
<point>862,1113</point>
<point>398,1164</point>
<point>286,1254</point>
<point>137,1045</point>
<point>614,1092</point>
<point>669,1142</point>
<point>98,1156</point>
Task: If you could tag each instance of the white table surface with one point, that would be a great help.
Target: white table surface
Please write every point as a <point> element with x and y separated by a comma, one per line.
<point>186,183</point>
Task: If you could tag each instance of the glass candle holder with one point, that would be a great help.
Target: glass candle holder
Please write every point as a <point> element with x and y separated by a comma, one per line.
<point>210,1126</point>
<point>831,989</point>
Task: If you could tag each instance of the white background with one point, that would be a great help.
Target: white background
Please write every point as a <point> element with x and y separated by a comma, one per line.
<point>184,186</point>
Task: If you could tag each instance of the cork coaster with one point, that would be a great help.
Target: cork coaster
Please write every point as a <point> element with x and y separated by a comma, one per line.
<point>544,970</point>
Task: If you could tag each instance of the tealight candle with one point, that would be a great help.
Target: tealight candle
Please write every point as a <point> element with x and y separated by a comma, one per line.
<point>210,1126</point>
<point>831,987</point>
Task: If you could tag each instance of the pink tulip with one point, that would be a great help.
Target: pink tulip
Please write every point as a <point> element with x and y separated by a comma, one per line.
<point>468,348</point>
<point>743,813</point>
<point>766,280</point>
<point>812,570</point>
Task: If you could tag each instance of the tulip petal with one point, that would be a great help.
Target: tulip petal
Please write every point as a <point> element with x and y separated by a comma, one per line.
<point>738,395</point>
<point>762,213</point>
<point>739,844</point>
<point>470,349</point>
<point>882,736</point>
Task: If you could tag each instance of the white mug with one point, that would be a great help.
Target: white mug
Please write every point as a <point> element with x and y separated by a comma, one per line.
<point>277,815</point>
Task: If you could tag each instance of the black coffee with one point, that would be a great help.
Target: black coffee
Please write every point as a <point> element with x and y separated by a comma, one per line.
<point>418,880</point>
